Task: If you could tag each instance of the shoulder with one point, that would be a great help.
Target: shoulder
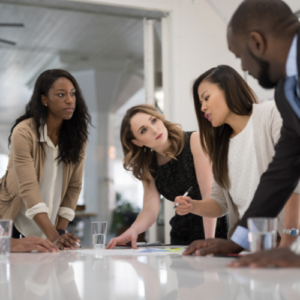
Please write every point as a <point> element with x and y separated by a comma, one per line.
<point>195,142</point>
<point>266,111</point>
<point>26,128</point>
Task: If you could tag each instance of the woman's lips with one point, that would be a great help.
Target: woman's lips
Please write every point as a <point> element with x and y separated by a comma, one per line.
<point>159,136</point>
<point>69,109</point>
<point>207,116</point>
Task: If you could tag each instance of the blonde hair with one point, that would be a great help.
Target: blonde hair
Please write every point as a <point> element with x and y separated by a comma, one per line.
<point>138,159</point>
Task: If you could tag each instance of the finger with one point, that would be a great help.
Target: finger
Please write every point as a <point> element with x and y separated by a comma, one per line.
<point>208,250</point>
<point>48,245</point>
<point>114,243</point>
<point>60,246</point>
<point>41,249</point>
<point>192,248</point>
<point>109,244</point>
<point>73,237</point>
<point>133,243</point>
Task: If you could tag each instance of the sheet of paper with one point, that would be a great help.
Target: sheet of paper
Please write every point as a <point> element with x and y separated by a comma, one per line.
<point>126,252</point>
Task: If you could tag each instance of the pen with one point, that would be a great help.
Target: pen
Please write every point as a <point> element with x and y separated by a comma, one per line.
<point>78,244</point>
<point>185,194</point>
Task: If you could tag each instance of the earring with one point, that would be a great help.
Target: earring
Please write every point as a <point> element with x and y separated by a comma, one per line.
<point>45,104</point>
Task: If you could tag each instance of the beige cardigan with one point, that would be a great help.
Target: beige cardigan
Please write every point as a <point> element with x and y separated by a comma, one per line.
<point>267,124</point>
<point>20,185</point>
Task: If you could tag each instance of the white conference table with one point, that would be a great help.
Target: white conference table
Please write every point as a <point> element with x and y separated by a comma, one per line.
<point>91,274</point>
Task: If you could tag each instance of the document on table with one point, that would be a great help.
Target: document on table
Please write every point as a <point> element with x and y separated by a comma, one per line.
<point>143,251</point>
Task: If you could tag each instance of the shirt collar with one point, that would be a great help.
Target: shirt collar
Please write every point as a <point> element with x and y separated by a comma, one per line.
<point>44,137</point>
<point>291,63</point>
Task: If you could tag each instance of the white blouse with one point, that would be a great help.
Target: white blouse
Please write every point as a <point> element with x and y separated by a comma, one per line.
<point>50,187</point>
<point>243,168</point>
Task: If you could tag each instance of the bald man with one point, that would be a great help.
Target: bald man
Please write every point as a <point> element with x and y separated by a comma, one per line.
<point>265,35</point>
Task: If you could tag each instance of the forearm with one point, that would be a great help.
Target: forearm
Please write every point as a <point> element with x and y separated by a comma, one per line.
<point>209,227</point>
<point>292,219</point>
<point>208,208</point>
<point>145,220</point>
<point>62,223</point>
<point>46,226</point>
<point>292,212</point>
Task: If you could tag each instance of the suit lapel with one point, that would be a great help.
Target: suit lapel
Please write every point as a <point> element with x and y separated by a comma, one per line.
<point>287,113</point>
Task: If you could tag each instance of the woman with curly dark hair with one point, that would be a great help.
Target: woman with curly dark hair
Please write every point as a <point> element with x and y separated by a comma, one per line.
<point>44,175</point>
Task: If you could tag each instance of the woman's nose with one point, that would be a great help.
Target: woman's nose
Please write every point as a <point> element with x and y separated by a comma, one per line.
<point>203,107</point>
<point>69,99</point>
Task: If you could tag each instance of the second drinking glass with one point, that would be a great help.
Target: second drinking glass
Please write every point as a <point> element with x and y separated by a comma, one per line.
<point>99,234</point>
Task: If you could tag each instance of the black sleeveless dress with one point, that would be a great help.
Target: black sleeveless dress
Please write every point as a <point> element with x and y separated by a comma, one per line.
<point>174,179</point>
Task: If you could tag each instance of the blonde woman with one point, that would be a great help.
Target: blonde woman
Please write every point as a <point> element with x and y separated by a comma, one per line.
<point>168,161</point>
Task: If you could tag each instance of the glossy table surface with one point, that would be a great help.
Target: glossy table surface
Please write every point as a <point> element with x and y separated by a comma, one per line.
<point>90,274</point>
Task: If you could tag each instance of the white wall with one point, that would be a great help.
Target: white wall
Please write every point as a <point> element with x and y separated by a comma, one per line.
<point>197,43</point>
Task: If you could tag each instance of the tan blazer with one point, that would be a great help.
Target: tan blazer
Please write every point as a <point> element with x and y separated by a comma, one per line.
<point>20,185</point>
<point>267,124</point>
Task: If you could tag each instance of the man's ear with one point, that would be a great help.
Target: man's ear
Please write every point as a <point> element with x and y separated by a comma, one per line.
<point>137,143</point>
<point>257,43</point>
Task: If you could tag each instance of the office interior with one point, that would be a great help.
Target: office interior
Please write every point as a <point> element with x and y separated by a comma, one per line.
<point>123,53</point>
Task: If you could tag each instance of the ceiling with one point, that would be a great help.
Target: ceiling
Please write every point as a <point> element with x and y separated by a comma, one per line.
<point>75,36</point>
<point>63,34</point>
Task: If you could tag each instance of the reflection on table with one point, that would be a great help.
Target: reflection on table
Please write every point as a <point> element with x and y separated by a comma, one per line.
<point>87,274</point>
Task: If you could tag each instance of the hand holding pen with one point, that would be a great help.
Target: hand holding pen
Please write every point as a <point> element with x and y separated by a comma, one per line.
<point>184,195</point>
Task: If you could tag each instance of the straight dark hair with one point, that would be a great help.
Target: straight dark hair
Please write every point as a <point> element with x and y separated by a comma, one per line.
<point>74,132</point>
<point>215,140</point>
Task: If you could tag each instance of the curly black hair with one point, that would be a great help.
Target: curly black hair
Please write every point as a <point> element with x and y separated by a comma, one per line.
<point>74,132</point>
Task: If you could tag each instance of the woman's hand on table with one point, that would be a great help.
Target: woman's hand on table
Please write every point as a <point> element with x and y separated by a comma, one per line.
<point>31,243</point>
<point>129,235</point>
<point>185,205</point>
<point>66,241</point>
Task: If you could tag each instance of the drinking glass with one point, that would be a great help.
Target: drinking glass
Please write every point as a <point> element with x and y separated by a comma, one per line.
<point>262,233</point>
<point>5,236</point>
<point>99,234</point>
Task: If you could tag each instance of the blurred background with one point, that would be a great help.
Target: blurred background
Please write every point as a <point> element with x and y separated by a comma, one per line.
<point>123,53</point>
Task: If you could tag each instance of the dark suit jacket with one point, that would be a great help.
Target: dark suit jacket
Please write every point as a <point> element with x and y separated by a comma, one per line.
<point>279,181</point>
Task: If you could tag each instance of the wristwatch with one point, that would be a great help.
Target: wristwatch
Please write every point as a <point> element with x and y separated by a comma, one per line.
<point>292,231</point>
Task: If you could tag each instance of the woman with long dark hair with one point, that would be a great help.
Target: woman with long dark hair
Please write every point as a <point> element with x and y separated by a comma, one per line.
<point>168,161</point>
<point>44,175</point>
<point>239,136</point>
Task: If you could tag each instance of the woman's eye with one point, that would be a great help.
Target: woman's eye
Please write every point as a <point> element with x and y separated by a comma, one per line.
<point>73,94</point>
<point>206,98</point>
<point>143,131</point>
<point>154,120</point>
<point>60,95</point>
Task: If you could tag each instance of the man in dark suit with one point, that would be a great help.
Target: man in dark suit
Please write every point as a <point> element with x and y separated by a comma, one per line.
<point>265,35</point>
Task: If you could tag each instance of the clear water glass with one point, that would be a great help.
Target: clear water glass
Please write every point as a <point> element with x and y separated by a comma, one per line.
<point>5,237</point>
<point>262,233</point>
<point>99,234</point>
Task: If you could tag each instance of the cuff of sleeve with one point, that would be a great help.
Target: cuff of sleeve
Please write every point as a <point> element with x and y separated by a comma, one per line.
<point>240,237</point>
<point>66,213</point>
<point>36,209</point>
